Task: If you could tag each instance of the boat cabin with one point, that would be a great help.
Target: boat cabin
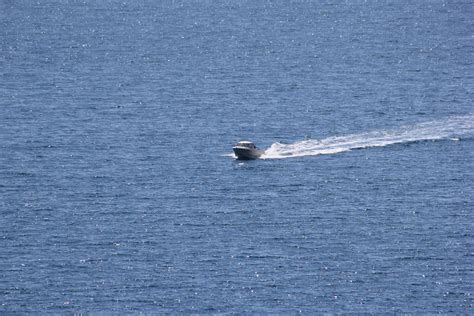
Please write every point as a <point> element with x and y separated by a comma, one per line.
<point>246,144</point>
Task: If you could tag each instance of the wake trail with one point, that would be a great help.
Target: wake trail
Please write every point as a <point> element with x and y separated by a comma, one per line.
<point>450,128</point>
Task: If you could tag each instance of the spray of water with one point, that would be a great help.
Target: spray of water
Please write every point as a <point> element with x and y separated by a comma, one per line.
<point>453,127</point>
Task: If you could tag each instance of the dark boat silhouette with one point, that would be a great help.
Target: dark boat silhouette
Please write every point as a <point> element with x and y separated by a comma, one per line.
<point>246,150</point>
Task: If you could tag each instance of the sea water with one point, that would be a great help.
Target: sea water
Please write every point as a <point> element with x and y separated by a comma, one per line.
<point>119,193</point>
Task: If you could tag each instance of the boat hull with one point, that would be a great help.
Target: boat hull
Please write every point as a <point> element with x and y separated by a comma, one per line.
<point>243,153</point>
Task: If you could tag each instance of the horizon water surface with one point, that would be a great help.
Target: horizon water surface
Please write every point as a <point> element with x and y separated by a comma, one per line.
<point>118,195</point>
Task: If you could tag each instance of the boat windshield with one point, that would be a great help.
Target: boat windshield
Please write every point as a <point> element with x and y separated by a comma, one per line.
<point>246,144</point>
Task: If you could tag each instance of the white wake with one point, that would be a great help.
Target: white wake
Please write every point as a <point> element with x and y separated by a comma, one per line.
<point>452,127</point>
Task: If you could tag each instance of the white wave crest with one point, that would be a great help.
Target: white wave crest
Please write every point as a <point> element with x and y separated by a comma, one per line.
<point>449,128</point>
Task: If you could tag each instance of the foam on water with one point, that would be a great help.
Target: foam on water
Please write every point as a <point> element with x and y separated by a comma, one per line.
<point>453,128</point>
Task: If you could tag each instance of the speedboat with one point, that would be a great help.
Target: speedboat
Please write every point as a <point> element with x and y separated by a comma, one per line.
<point>246,150</point>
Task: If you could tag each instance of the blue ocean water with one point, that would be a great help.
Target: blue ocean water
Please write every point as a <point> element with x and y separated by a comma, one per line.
<point>119,192</point>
